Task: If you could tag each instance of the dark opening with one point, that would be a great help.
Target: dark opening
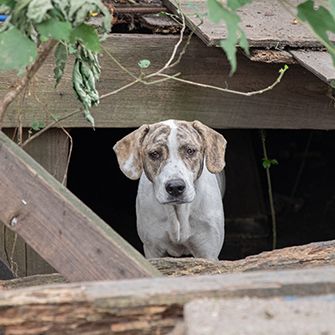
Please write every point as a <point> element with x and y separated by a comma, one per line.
<point>303,187</point>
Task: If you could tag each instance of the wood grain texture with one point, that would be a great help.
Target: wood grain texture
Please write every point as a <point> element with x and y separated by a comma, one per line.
<point>300,101</point>
<point>51,151</point>
<point>298,257</point>
<point>58,226</point>
<point>318,62</point>
<point>267,24</point>
<point>143,306</point>
<point>250,316</point>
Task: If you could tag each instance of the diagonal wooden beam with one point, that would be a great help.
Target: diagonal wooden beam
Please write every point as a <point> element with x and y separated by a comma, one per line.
<point>64,231</point>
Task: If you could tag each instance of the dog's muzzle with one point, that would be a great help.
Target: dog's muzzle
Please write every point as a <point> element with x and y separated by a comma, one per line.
<point>175,189</point>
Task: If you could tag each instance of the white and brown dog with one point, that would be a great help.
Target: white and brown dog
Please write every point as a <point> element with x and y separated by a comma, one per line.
<point>179,202</point>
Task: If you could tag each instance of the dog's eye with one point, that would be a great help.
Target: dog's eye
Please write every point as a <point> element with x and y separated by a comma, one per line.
<point>154,155</point>
<point>190,151</point>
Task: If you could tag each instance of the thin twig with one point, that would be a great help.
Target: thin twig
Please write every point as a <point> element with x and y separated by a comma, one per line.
<point>248,94</point>
<point>120,89</point>
<point>68,156</point>
<point>44,51</point>
<point>50,125</point>
<point>270,194</point>
<point>56,121</point>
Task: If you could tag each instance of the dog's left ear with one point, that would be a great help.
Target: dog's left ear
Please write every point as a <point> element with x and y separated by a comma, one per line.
<point>128,152</point>
<point>215,147</point>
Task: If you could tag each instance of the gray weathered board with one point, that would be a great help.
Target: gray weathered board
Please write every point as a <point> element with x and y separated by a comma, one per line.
<point>300,101</point>
<point>318,62</point>
<point>66,233</point>
<point>267,24</point>
<point>250,316</point>
<point>143,306</point>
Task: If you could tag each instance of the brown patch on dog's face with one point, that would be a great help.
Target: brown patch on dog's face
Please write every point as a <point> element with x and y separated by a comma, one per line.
<point>155,150</point>
<point>215,147</point>
<point>191,148</point>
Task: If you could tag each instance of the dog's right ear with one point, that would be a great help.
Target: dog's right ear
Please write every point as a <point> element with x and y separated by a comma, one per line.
<point>128,152</point>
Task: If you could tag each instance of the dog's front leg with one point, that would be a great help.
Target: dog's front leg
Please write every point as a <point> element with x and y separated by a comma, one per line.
<point>206,245</point>
<point>153,251</point>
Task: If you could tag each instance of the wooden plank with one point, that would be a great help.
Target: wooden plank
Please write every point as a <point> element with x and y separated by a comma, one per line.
<point>51,151</point>
<point>143,306</point>
<point>267,24</point>
<point>250,316</point>
<point>300,101</point>
<point>58,226</point>
<point>318,62</point>
<point>299,257</point>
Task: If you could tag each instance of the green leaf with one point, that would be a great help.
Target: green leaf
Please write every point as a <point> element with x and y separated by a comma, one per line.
<point>87,35</point>
<point>217,12</point>
<point>60,60</point>
<point>37,125</point>
<point>80,9</point>
<point>6,6</point>
<point>17,50</point>
<point>321,21</point>
<point>144,63</point>
<point>267,163</point>
<point>55,29</point>
<point>37,10</point>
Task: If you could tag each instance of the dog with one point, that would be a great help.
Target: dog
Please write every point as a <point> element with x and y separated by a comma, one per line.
<point>179,205</point>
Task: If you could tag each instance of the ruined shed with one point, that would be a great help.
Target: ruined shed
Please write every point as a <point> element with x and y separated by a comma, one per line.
<point>301,101</point>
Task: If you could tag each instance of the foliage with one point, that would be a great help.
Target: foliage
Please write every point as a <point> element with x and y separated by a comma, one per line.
<point>33,22</point>
<point>226,11</point>
<point>320,19</point>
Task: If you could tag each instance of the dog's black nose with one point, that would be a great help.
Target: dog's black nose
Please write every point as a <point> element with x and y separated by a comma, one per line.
<point>175,187</point>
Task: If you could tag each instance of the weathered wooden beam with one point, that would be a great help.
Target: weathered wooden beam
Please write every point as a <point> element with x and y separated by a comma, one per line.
<point>318,62</point>
<point>51,150</point>
<point>250,316</point>
<point>299,257</point>
<point>65,232</point>
<point>266,23</point>
<point>299,101</point>
<point>143,306</point>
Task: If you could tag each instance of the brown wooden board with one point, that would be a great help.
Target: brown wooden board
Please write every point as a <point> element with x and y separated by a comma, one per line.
<point>299,257</point>
<point>318,62</point>
<point>143,306</point>
<point>267,24</point>
<point>299,101</point>
<point>58,226</point>
<point>51,151</point>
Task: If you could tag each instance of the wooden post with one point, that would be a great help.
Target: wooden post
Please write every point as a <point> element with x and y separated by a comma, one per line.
<point>64,231</point>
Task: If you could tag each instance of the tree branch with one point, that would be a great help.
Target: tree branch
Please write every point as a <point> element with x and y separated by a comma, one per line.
<point>10,96</point>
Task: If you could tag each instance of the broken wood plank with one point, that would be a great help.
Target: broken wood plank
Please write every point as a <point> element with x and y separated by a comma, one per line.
<point>306,104</point>
<point>305,256</point>
<point>271,56</point>
<point>65,232</point>
<point>298,257</point>
<point>267,24</point>
<point>318,62</point>
<point>143,306</point>
<point>250,316</point>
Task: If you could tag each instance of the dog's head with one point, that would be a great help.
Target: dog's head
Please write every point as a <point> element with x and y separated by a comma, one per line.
<point>171,154</point>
